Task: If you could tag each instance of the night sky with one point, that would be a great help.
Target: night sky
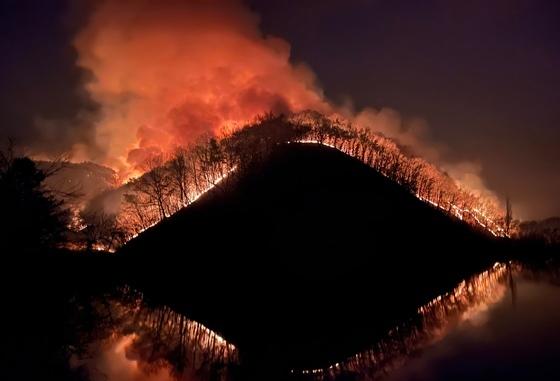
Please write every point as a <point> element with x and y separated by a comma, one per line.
<point>482,74</point>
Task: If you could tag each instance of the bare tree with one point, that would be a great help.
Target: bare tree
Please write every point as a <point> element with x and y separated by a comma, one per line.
<point>155,184</point>
<point>210,159</point>
<point>180,174</point>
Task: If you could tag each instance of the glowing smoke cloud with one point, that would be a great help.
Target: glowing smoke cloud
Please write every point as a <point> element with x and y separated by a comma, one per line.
<point>166,72</point>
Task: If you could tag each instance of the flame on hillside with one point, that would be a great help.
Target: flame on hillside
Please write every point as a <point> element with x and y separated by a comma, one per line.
<point>476,215</point>
<point>166,73</point>
<point>174,182</point>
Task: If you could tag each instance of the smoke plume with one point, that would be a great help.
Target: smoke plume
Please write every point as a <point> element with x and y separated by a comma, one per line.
<point>166,72</point>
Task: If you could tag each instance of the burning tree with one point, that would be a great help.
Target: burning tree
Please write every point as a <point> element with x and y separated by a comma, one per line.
<point>156,186</point>
<point>421,178</point>
<point>181,174</point>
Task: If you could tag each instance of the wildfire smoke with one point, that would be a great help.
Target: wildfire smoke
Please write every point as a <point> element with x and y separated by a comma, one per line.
<point>167,72</point>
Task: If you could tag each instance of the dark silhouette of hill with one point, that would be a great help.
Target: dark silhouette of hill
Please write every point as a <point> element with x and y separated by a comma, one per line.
<point>305,257</point>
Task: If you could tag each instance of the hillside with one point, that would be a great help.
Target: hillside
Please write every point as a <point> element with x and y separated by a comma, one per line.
<point>85,180</point>
<point>306,257</point>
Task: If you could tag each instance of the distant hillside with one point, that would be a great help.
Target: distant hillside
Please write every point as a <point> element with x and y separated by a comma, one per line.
<point>85,179</point>
<point>291,256</point>
<point>547,230</point>
<point>308,198</point>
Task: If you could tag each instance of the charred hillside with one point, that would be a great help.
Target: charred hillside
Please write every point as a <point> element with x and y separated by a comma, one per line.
<point>295,258</point>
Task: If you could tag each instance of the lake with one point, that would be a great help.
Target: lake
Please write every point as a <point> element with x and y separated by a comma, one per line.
<point>500,324</point>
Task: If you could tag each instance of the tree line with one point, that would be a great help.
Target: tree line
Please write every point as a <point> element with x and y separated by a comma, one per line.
<point>33,216</point>
<point>423,179</point>
<point>175,180</point>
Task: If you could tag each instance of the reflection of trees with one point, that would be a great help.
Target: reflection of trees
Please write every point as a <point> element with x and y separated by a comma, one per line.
<point>161,337</point>
<point>433,319</point>
<point>548,271</point>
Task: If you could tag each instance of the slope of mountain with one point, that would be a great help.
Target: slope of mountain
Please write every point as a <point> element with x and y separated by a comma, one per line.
<point>305,257</point>
<point>86,179</point>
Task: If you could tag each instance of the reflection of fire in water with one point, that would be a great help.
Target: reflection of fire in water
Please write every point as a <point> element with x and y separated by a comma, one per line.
<point>144,343</point>
<point>467,302</point>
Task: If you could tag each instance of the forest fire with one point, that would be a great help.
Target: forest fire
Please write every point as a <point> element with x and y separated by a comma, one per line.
<point>171,123</point>
<point>209,68</point>
<point>225,190</point>
<point>173,182</point>
<point>216,182</point>
<point>214,71</point>
<point>478,216</point>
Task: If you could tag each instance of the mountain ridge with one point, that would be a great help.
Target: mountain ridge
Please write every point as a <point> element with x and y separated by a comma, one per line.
<point>307,227</point>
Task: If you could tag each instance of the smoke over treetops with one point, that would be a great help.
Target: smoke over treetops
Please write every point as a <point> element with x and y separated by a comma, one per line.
<point>165,73</point>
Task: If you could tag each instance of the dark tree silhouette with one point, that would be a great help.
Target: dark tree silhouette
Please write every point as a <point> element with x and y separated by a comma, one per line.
<point>32,218</point>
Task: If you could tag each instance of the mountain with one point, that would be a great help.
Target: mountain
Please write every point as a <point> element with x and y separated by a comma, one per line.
<point>305,257</point>
<point>307,198</point>
<point>86,179</point>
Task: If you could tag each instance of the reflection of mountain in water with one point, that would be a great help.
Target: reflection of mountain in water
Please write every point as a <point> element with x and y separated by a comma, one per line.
<point>469,301</point>
<point>135,339</point>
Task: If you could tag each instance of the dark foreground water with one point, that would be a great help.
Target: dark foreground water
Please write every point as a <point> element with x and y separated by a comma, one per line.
<point>502,324</point>
<point>515,339</point>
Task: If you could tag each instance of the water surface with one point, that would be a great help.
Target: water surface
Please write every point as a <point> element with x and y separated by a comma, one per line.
<point>501,324</point>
